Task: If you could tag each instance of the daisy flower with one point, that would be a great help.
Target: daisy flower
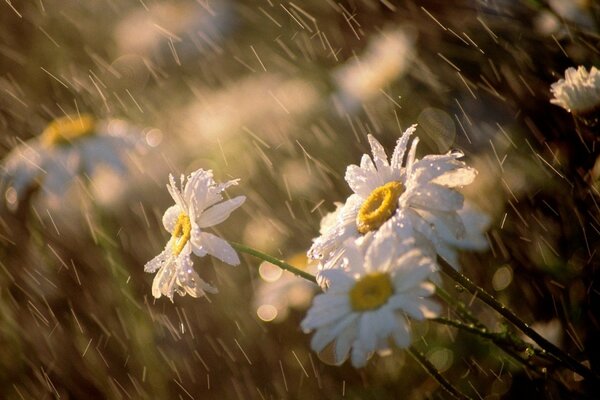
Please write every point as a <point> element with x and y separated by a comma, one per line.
<point>409,198</point>
<point>198,205</point>
<point>578,92</point>
<point>69,146</point>
<point>368,300</point>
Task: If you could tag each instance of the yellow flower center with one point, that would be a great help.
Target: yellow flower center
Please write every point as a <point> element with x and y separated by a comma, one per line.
<point>371,291</point>
<point>181,233</point>
<point>378,207</point>
<point>65,129</point>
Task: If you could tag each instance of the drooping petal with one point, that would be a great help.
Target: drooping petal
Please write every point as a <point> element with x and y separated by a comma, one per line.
<point>401,333</point>
<point>219,212</point>
<point>327,334</point>
<point>160,260</point>
<point>164,281</point>
<point>193,285</point>
<point>216,247</point>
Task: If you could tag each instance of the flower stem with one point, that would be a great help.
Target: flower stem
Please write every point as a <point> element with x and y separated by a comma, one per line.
<point>487,298</point>
<point>435,374</point>
<point>460,307</point>
<point>500,339</point>
<point>281,264</point>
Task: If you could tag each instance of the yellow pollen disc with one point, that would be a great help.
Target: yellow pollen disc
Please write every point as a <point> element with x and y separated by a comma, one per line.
<point>181,233</point>
<point>371,291</point>
<point>65,129</point>
<point>378,207</point>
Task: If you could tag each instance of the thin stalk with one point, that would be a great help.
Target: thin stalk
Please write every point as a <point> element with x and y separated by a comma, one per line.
<point>280,263</point>
<point>488,299</point>
<point>461,309</point>
<point>512,350</point>
<point>500,339</point>
<point>435,374</point>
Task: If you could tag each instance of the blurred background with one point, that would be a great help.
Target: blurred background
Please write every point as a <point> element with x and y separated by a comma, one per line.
<point>282,95</point>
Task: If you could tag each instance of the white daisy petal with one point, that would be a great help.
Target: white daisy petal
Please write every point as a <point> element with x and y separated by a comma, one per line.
<point>457,178</point>
<point>358,180</point>
<point>216,247</point>
<point>359,355</point>
<point>219,212</point>
<point>379,156</point>
<point>343,343</point>
<point>400,149</point>
<point>170,217</point>
<point>435,197</point>
<point>401,333</point>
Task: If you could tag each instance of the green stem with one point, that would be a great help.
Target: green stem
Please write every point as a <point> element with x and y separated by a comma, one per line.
<point>508,344</point>
<point>281,264</point>
<point>460,307</point>
<point>435,374</point>
<point>487,298</point>
<point>500,339</point>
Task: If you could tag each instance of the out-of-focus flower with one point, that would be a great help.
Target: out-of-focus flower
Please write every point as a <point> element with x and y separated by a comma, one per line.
<point>69,146</point>
<point>279,291</point>
<point>412,199</point>
<point>266,104</point>
<point>198,205</point>
<point>577,11</point>
<point>578,92</point>
<point>176,30</point>
<point>385,59</point>
<point>368,300</point>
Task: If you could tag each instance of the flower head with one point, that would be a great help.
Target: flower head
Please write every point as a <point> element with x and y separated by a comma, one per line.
<point>579,91</point>
<point>412,198</point>
<point>68,146</point>
<point>368,300</point>
<point>198,205</point>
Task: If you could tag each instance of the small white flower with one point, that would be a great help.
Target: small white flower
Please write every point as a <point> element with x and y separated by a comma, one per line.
<point>579,91</point>
<point>406,199</point>
<point>368,300</point>
<point>69,146</point>
<point>198,205</point>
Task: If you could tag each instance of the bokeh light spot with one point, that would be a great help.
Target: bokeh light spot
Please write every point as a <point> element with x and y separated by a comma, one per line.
<point>267,312</point>
<point>502,278</point>
<point>269,272</point>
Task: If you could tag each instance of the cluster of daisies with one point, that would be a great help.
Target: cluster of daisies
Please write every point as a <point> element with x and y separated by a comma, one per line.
<point>377,254</point>
<point>378,251</point>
